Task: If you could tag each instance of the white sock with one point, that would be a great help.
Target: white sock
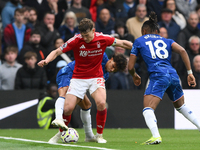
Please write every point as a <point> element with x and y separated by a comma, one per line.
<point>59,105</point>
<point>187,113</point>
<point>87,125</point>
<point>151,121</point>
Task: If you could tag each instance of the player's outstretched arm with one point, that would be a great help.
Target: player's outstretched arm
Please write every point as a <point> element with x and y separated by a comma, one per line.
<point>50,57</point>
<point>180,50</point>
<point>131,69</point>
<point>124,43</point>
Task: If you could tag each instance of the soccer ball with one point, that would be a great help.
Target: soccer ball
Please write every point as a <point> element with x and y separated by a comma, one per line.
<point>70,136</point>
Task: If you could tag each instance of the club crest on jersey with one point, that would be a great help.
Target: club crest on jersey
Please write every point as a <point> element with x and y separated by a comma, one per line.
<point>98,44</point>
<point>64,45</point>
<point>83,53</point>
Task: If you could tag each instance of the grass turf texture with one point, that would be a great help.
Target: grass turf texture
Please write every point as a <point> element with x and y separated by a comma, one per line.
<point>121,139</point>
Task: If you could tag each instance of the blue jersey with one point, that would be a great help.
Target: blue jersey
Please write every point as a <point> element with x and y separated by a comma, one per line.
<point>65,74</point>
<point>156,52</point>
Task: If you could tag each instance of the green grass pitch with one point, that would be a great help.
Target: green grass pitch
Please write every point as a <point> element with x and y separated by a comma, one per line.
<point>121,139</point>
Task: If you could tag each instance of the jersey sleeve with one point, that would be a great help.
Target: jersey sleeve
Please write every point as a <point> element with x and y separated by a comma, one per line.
<point>69,45</point>
<point>171,41</point>
<point>110,40</point>
<point>135,48</point>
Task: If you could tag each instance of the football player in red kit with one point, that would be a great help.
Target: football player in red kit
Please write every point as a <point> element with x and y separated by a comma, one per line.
<point>88,48</point>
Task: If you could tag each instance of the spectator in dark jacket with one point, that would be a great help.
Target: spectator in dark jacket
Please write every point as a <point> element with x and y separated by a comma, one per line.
<point>196,70</point>
<point>80,11</point>
<point>48,32</point>
<point>30,76</point>
<point>156,6</point>
<point>190,30</point>
<point>69,26</point>
<point>33,22</point>
<point>117,10</point>
<point>104,23</point>
<point>41,6</point>
<point>131,12</point>
<point>173,29</point>
<point>34,46</point>
<point>122,31</point>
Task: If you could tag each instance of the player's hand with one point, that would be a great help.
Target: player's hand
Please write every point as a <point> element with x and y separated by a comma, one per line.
<point>42,63</point>
<point>191,80</point>
<point>136,79</point>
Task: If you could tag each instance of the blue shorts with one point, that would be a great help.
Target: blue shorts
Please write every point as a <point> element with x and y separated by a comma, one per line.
<point>168,83</point>
<point>63,77</point>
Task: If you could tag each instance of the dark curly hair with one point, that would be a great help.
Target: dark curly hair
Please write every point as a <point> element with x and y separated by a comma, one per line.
<point>151,24</point>
<point>121,62</point>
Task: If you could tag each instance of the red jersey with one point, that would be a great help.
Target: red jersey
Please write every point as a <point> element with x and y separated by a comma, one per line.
<point>88,56</point>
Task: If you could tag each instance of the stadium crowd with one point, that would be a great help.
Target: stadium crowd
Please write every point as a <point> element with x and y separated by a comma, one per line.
<point>31,29</point>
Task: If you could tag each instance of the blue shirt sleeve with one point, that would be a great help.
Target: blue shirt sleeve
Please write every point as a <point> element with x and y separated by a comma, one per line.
<point>135,48</point>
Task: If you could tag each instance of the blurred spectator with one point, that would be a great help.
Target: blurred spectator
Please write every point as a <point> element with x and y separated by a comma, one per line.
<point>163,32</point>
<point>104,23</point>
<point>194,49</point>
<point>59,14</point>
<point>166,21</point>
<point>80,11</point>
<point>128,4</point>
<point>196,70</point>
<point>32,20</point>
<point>69,26</point>
<point>26,10</point>
<point>119,50</point>
<point>117,10</point>
<point>131,12</point>
<point>0,47</point>
<point>30,76</point>
<point>8,12</point>
<point>64,5</point>
<point>122,31</point>
<point>60,64</point>
<point>93,6</point>
<point>198,12</point>
<point>51,67</point>
<point>121,80</point>
<point>34,46</point>
<point>134,24</point>
<point>2,4</point>
<point>186,6</point>
<point>46,106</point>
<point>176,15</point>
<point>17,33</point>
<point>156,6</point>
<point>9,69</point>
<point>190,29</point>
<point>40,5</point>
<point>48,33</point>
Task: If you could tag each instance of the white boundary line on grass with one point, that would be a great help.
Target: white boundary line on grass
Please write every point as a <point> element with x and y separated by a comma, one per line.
<point>69,145</point>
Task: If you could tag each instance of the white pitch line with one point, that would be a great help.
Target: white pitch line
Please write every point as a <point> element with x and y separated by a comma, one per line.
<point>69,145</point>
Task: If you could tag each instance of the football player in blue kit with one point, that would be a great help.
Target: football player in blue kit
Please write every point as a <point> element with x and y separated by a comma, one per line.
<point>116,63</point>
<point>156,52</point>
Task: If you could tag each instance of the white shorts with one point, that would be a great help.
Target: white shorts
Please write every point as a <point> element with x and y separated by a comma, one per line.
<point>78,87</point>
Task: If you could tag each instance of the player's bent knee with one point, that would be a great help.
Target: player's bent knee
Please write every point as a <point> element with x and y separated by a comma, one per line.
<point>68,111</point>
<point>101,105</point>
